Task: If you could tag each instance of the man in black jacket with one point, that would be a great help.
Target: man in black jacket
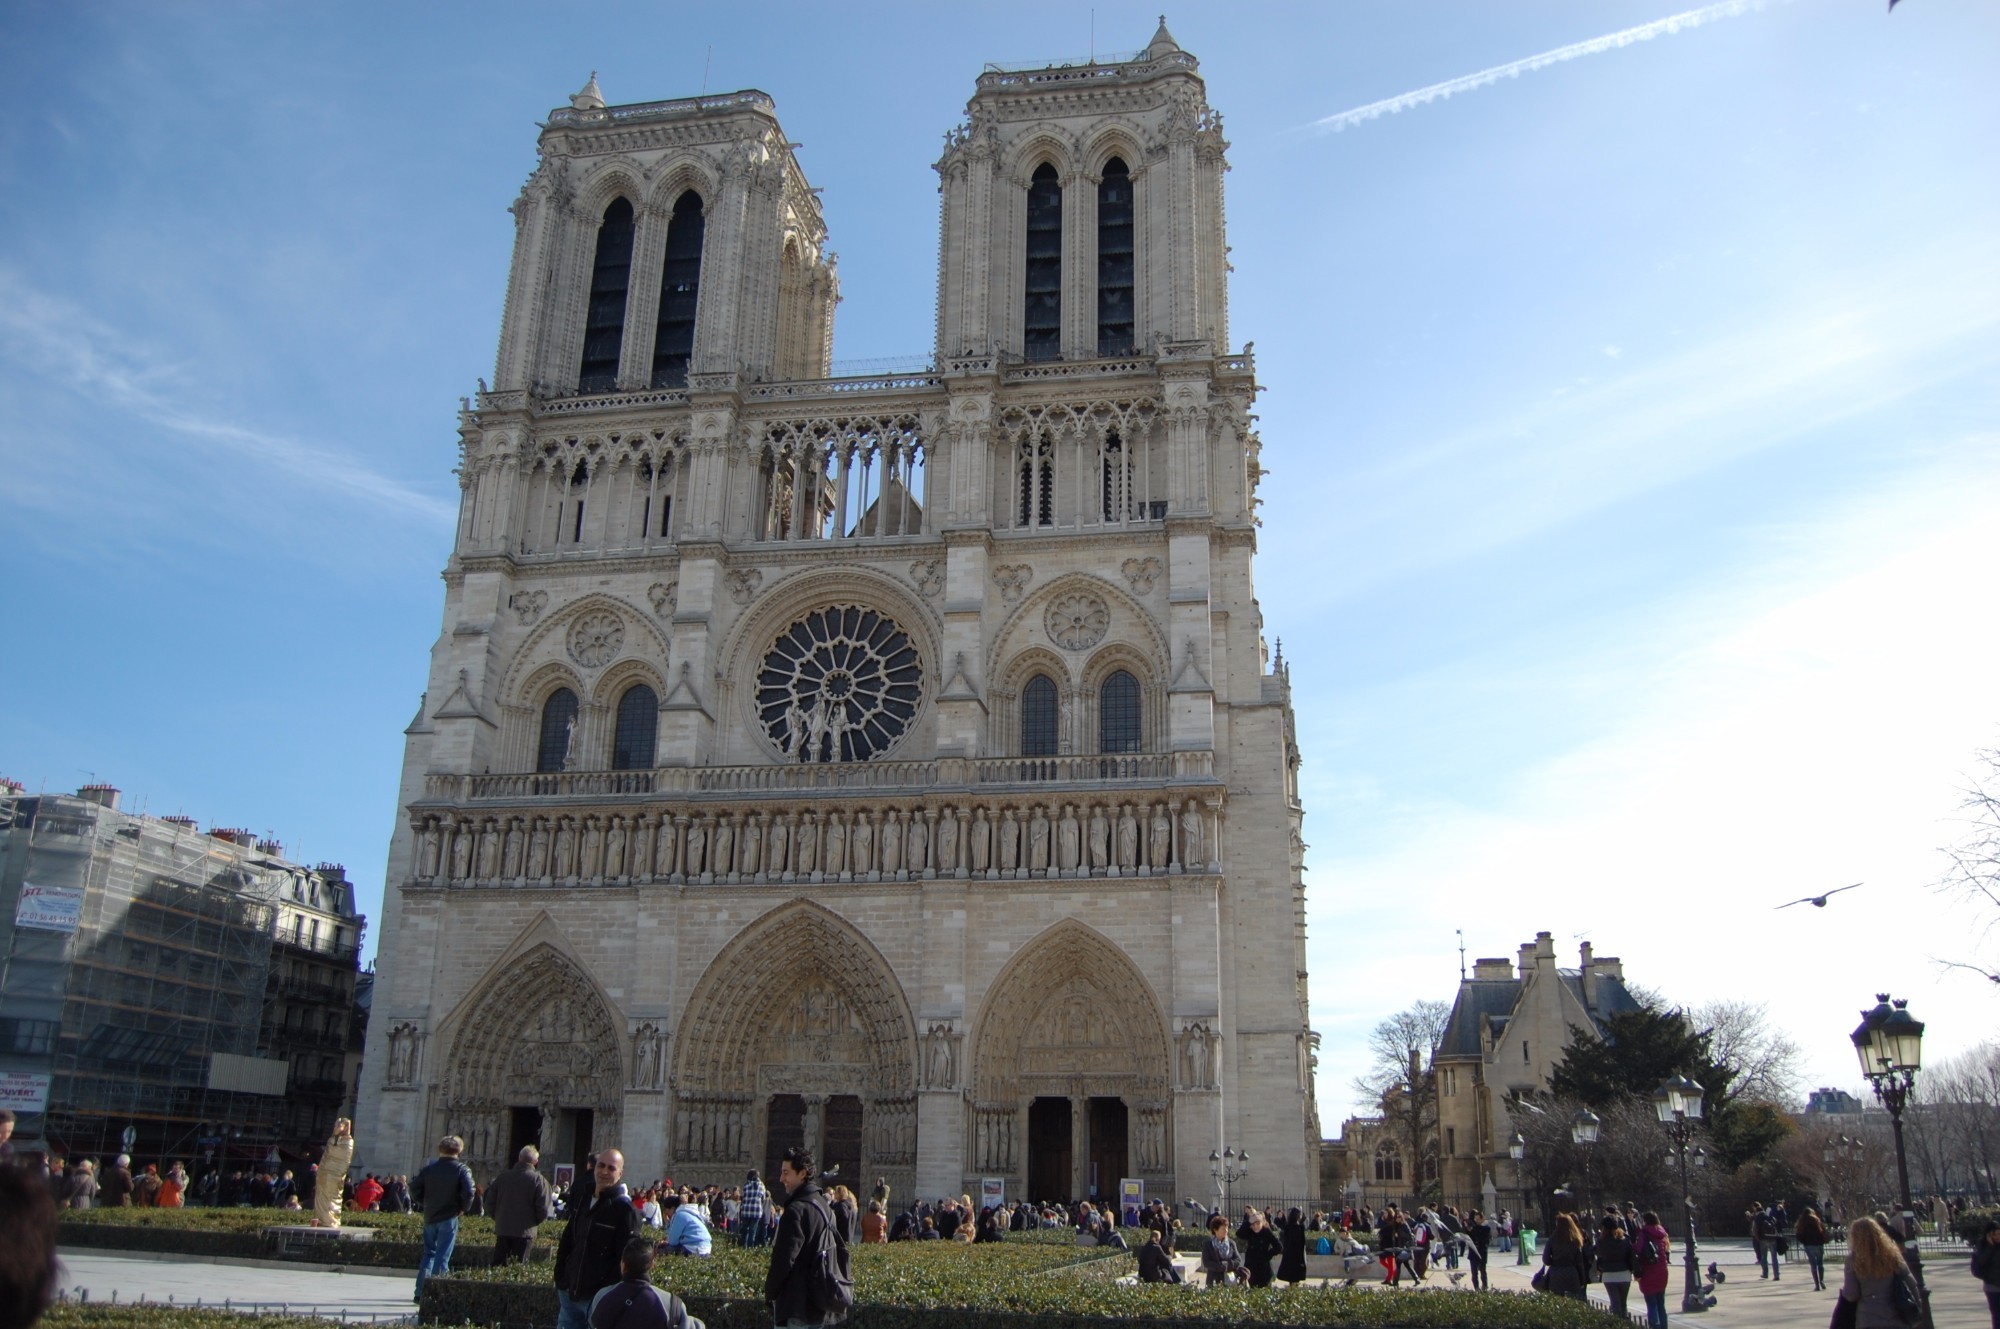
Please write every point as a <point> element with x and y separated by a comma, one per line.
<point>518,1202</point>
<point>792,1285</point>
<point>587,1257</point>
<point>443,1190</point>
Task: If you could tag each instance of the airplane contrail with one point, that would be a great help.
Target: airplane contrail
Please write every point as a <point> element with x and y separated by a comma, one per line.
<point>1693,18</point>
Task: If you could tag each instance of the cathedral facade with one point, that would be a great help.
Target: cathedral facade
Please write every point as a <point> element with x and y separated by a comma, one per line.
<point>889,763</point>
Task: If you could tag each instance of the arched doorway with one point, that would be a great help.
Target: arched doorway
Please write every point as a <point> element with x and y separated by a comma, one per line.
<point>797,1031</point>
<point>1070,1070</point>
<point>535,1060</point>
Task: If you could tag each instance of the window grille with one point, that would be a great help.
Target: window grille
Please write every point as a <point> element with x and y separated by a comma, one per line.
<point>1041,320</point>
<point>1037,467</point>
<point>1118,714</point>
<point>638,725</point>
<point>604,324</point>
<point>558,723</point>
<point>1115,258</point>
<point>1038,717</point>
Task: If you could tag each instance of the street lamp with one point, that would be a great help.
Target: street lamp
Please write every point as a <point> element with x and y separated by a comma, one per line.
<point>1584,1128</point>
<point>1677,1103</point>
<point>1228,1168</point>
<point>1517,1149</point>
<point>1890,1046</point>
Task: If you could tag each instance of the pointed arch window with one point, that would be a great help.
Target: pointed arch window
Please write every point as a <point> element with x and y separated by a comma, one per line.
<point>1041,320</point>
<point>1114,260</point>
<point>558,731</point>
<point>638,729</point>
<point>1118,505</point>
<point>1037,478</point>
<point>680,287</point>
<point>1038,717</point>
<point>604,324</point>
<point>1118,728</point>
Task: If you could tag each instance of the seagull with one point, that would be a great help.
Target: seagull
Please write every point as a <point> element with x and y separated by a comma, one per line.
<point>1817,901</point>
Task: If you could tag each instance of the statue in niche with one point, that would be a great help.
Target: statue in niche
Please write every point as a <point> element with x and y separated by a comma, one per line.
<point>919,843</point>
<point>1038,841</point>
<point>565,864</point>
<point>665,844</point>
<point>1192,857</point>
<point>834,722</point>
<point>538,850</point>
<point>1010,841</point>
<point>892,842</point>
<point>778,846</point>
<point>1068,840</point>
<point>836,844</point>
<point>1128,837</point>
<point>1100,839</point>
<point>940,1047</point>
<point>753,844</point>
<point>427,850</point>
<point>614,849</point>
<point>797,744</point>
<point>489,851</point>
<point>864,846</point>
<point>461,852</point>
<point>593,847</point>
<point>510,850</point>
<point>642,846</point>
<point>808,844</point>
<point>947,841</point>
<point>981,845</point>
<point>1160,843</point>
<point>403,1054</point>
<point>569,742</point>
<point>723,859</point>
<point>697,846</point>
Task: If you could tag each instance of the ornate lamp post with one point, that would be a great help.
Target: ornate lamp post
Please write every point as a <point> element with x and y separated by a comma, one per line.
<point>1584,1128</point>
<point>1227,1168</point>
<point>1678,1105</point>
<point>1890,1046</point>
<point>1517,1149</point>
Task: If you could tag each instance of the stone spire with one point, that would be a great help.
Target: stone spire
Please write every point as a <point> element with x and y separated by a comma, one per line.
<point>1163,42</point>
<point>592,96</point>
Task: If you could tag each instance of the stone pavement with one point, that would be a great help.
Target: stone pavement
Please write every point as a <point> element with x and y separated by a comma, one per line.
<point>288,1289</point>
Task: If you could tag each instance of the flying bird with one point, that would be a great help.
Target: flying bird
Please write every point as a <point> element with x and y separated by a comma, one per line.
<point>1817,901</point>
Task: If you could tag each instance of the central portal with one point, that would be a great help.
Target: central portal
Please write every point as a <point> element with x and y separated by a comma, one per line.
<point>1107,1146</point>
<point>1050,1149</point>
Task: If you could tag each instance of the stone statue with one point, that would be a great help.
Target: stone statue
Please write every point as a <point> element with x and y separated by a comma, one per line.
<point>797,745</point>
<point>642,846</point>
<point>569,741</point>
<point>836,726</point>
<point>836,844</point>
<point>666,845</point>
<point>1160,843</point>
<point>753,845</point>
<point>461,852</point>
<point>1010,841</point>
<point>808,849</point>
<point>918,856</point>
<point>981,844</point>
<point>510,850</point>
<point>1068,841</point>
<point>428,850</point>
<point>334,1160</point>
<point>1100,839</point>
<point>1128,837</point>
<point>1192,858</point>
<point>724,857</point>
<point>892,842</point>
<point>697,847</point>
<point>614,849</point>
<point>1038,841</point>
<point>565,865</point>
<point>947,841</point>
<point>538,850</point>
<point>593,848</point>
<point>489,852</point>
<point>778,846</point>
<point>864,846</point>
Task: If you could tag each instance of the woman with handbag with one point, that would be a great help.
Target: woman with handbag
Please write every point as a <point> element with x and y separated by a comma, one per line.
<point>1219,1258</point>
<point>1565,1267</point>
<point>1877,1287</point>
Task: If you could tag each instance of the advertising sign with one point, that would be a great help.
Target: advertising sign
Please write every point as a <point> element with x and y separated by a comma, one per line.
<point>992,1192</point>
<point>1131,1199</point>
<point>49,908</point>
<point>24,1091</point>
<point>565,1177</point>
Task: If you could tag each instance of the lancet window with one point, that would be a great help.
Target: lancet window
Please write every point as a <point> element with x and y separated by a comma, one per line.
<point>1041,320</point>
<point>1038,717</point>
<point>1036,468</point>
<point>843,479</point>
<point>1116,466</point>
<point>1118,726</point>
<point>633,742</point>
<point>558,734</point>
<point>680,287</point>
<point>1115,259</point>
<point>604,322</point>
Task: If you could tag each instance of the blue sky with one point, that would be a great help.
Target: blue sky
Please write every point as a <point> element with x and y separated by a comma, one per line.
<point>1631,419</point>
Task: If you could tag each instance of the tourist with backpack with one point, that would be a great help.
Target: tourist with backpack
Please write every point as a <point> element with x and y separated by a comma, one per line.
<point>810,1282</point>
<point>633,1302</point>
<point>1652,1260</point>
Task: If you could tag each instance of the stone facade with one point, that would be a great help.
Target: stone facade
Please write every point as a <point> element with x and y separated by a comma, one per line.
<point>893,763</point>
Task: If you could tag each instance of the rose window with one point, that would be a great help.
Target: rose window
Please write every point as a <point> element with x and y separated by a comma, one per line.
<point>841,684</point>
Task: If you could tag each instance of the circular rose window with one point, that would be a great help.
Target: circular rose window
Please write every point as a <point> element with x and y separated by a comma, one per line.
<point>841,684</point>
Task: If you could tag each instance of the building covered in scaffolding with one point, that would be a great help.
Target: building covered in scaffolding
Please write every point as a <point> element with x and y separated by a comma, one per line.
<point>169,992</point>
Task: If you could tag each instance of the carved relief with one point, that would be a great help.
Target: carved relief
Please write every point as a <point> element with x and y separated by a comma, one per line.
<point>993,1135</point>
<point>928,573</point>
<point>528,605</point>
<point>1141,573</point>
<point>1198,1049</point>
<point>595,637</point>
<point>1012,579</point>
<point>406,1043</point>
<point>941,1044</point>
<point>649,1058</point>
<point>743,584</point>
<point>665,596</point>
<point>1077,621</point>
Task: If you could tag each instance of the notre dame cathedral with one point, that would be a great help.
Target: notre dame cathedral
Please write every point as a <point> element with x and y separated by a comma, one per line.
<point>893,763</point>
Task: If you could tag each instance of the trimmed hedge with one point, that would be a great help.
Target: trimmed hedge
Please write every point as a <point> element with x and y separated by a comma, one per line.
<point>947,1285</point>
<point>239,1234</point>
<point>94,1316</point>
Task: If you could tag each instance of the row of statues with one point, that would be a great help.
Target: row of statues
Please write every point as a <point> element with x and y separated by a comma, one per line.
<point>1070,839</point>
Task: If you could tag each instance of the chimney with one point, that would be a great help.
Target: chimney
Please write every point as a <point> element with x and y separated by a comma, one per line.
<point>103,795</point>
<point>1490,969</point>
<point>1527,964</point>
<point>1589,978</point>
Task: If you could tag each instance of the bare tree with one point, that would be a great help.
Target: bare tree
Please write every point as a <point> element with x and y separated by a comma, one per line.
<point>1974,873</point>
<point>1401,1083</point>
<point>1766,1060</point>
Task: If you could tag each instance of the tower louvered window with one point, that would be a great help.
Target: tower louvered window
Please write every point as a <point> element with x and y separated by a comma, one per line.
<point>1041,320</point>
<point>680,285</point>
<point>1114,260</point>
<point>1036,466</point>
<point>638,727</point>
<point>604,323</point>
<point>1038,717</point>
<point>1118,714</point>
<point>558,731</point>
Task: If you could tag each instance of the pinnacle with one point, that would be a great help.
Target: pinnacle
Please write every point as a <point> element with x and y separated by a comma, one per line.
<point>1163,42</point>
<point>591,98</point>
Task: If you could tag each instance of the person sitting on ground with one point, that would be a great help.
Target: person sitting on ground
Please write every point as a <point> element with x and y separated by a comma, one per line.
<point>874,1225</point>
<point>1156,1260</point>
<point>928,1232</point>
<point>687,1232</point>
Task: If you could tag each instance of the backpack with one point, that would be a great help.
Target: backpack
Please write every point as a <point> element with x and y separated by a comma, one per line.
<point>1903,1297</point>
<point>1644,1252</point>
<point>830,1278</point>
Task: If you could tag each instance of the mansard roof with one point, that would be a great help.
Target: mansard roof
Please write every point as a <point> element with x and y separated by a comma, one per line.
<point>1497,999</point>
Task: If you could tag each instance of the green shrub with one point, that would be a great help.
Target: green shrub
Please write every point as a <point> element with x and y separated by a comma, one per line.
<point>239,1234</point>
<point>95,1316</point>
<point>1969,1224</point>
